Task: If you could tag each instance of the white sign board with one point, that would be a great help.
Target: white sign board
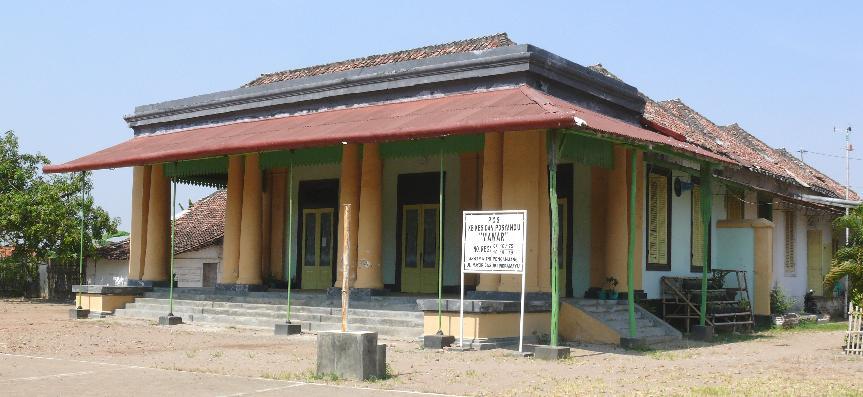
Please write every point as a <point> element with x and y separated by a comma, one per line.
<point>493,241</point>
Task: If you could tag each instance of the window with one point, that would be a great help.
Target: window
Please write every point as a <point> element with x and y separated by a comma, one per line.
<point>658,219</point>
<point>697,236</point>
<point>765,207</point>
<point>733,205</point>
<point>790,263</point>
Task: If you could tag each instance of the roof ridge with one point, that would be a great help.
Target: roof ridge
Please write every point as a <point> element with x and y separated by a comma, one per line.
<point>473,44</point>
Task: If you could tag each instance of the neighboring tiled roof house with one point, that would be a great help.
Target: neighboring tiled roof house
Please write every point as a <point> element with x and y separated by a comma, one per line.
<point>199,227</point>
<point>469,45</point>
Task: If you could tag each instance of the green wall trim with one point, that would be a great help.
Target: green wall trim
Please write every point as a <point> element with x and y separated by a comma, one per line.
<point>583,149</point>
<point>433,146</point>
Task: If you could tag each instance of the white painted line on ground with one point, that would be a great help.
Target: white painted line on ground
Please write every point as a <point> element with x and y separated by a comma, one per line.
<point>292,383</point>
<point>263,390</point>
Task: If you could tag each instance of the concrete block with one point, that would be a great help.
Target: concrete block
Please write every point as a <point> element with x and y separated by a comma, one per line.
<point>286,329</point>
<point>78,314</point>
<point>551,353</point>
<point>170,320</point>
<point>349,355</point>
<point>702,332</point>
<point>381,358</point>
<point>437,341</point>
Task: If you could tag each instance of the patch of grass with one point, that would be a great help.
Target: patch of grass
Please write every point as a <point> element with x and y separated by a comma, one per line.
<point>471,373</point>
<point>812,326</point>
<point>710,391</point>
<point>191,353</point>
<point>217,354</point>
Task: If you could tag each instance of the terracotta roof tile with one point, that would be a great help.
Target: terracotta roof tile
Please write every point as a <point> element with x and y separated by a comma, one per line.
<point>468,45</point>
<point>201,226</point>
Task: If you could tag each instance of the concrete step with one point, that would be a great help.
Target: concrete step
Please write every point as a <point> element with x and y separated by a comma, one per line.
<point>624,323</point>
<point>377,325</point>
<point>241,308</point>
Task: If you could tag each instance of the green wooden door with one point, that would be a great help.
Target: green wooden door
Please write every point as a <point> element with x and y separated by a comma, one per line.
<point>419,248</point>
<point>317,248</point>
<point>814,262</point>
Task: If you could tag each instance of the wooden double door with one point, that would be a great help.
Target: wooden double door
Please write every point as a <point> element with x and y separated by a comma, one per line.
<point>317,225</point>
<point>418,226</point>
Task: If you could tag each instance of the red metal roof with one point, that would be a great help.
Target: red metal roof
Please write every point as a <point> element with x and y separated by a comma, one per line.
<point>510,109</point>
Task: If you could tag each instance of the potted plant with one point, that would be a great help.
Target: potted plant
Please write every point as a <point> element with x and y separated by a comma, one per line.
<point>610,288</point>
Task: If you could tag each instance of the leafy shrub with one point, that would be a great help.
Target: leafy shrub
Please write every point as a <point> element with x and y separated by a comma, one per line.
<point>779,302</point>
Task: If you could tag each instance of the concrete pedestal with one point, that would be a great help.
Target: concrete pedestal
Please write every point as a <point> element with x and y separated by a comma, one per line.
<point>78,314</point>
<point>437,341</point>
<point>350,355</point>
<point>551,353</point>
<point>286,329</point>
<point>702,332</point>
<point>170,320</point>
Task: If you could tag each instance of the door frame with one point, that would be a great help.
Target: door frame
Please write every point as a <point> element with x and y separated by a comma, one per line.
<point>310,195</point>
<point>414,188</point>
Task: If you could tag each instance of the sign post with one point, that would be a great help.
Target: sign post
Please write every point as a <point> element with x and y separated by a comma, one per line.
<point>493,242</point>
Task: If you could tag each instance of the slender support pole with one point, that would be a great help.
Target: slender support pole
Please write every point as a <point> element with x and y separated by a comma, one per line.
<point>630,257</point>
<point>706,209</point>
<point>346,266</point>
<point>440,245</point>
<point>173,232</point>
<point>290,227</point>
<point>551,147</point>
<point>81,236</point>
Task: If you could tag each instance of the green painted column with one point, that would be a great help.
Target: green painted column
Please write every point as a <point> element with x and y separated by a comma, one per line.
<point>81,236</point>
<point>440,245</point>
<point>551,146</point>
<point>173,233</point>
<point>290,227</point>
<point>630,258</point>
<point>706,210</point>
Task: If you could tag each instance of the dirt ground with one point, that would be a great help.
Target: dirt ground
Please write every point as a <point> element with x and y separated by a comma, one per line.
<point>806,362</point>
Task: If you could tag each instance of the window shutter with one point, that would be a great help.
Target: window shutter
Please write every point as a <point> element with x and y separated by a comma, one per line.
<point>697,229</point>
<point>657,209</point>
<point>790,263</point>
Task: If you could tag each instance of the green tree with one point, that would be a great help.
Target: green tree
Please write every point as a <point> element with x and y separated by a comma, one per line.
<point>40,215</point>
<point>848,260</point>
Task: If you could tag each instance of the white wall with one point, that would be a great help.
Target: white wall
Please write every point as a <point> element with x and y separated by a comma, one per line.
<point>107,271</point>
<point>793,284</point>
<point>189,266</point>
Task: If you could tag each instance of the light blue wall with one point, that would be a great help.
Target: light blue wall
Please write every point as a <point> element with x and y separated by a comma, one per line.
<point>681,235</point>
<point>581,230</point>
<point>452,213</point>
<point>735,250</point>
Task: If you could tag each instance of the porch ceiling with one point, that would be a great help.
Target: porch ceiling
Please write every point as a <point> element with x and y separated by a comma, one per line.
<point>516,108</point>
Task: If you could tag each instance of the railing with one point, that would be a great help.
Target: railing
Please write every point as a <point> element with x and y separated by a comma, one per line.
<point>854,338</point>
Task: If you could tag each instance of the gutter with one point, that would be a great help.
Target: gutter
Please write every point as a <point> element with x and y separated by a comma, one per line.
<point>835,202</point>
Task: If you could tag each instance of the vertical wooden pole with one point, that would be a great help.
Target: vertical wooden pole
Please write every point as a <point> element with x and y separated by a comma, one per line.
<point>346,268</point>
<point>630,257</point>
<point>551,146</point>
<point>173,231</point>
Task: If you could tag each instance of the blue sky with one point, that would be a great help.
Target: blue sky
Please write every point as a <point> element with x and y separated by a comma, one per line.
<point>786,71</point>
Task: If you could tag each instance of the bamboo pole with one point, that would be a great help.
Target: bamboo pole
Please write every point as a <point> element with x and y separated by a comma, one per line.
<point>173,231</point>
<point>290,228</point>
<point>81,238</point>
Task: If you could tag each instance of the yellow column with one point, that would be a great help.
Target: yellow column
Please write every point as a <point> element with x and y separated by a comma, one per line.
<point>277,233</point>
<point>250,229</point>
<point>617,219</point>
<point>158,227</point>
<point>492,180</point>
<point>543,220</point>
<point>140,207</point>
<point>763,230</point>
<point>522,170</point>
<point>598,210</point>
<point>369,271</point>
<point>233,217</point>
<point>266,223</point>
<point>469,192</point>
<point>349,193</point>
